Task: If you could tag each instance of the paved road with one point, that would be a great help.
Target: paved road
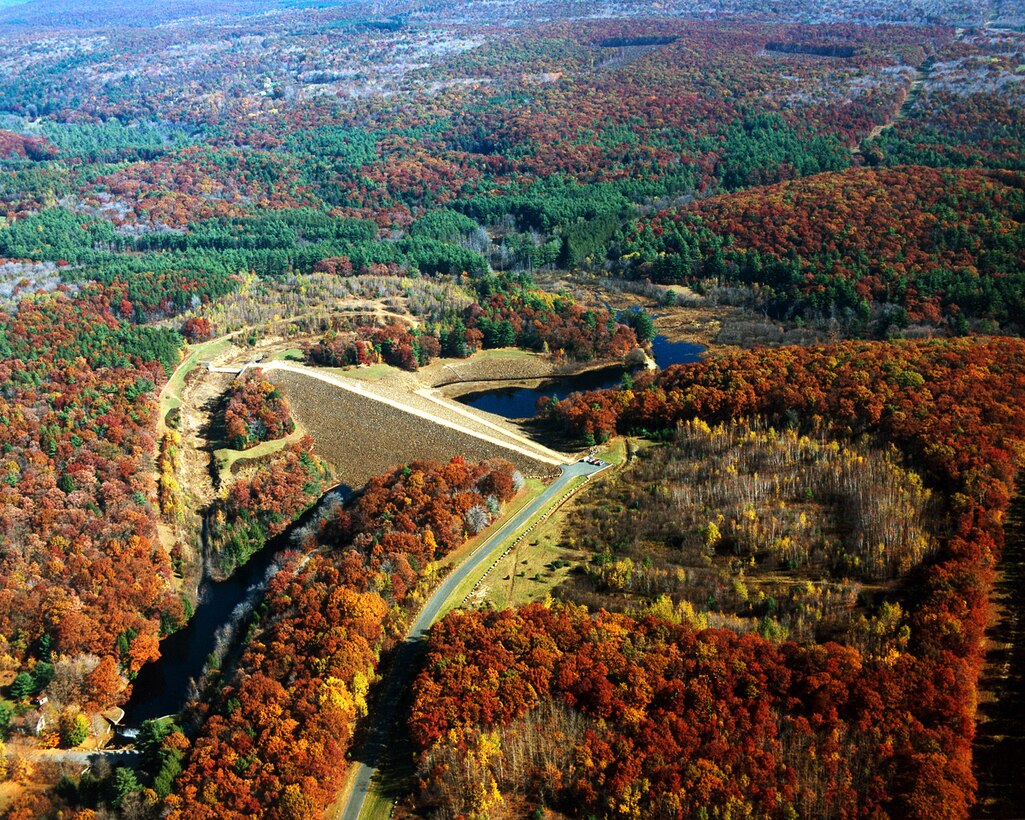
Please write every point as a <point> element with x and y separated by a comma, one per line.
<point>406,658</point>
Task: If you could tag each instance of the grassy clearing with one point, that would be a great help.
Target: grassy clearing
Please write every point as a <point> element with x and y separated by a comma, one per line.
<point>367,373</point>
<point>615,452</point>
<point>552,527</point>
<point>539,563</point>
<point>293,354</point>
<point>171,397</point>
<point>226,457</point>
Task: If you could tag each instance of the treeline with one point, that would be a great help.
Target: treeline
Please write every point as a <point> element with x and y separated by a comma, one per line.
<point>635,42</point>
<point>593,713</point>
<point>274,741</point>
<point>17,145</point>
<point>818,49</point>
<point>113,141</point>
<point>271,244</point>
<point>509,313</point>
<point>164,274</point>
<point>283,230</point>
<point>393,344</point>
<point>897,246</point>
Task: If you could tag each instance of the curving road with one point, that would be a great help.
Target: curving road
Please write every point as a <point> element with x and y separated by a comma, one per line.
<point>406,657</point>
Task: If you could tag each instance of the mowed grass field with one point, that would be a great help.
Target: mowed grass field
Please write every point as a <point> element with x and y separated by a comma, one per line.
<point>546,556</point>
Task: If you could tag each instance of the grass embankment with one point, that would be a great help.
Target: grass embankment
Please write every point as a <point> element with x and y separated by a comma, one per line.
<point>503,353</point>
<point>226,458</point>
<point>540,561</point>
<point>481,360</point>
<point>544,558</point>
<point>367,373</point>
<point>532,490</point>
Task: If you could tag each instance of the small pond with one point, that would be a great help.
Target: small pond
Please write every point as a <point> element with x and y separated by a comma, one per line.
<point>521,402</point>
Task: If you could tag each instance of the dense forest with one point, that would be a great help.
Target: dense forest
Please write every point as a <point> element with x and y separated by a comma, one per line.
<point>79,527</point>
<point>275,737</point>
<point>780,595</point>
<point>901,246</point>
<point>888,722</point>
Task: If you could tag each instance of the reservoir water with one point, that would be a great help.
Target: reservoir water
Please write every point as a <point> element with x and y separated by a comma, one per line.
<point>521,402</point>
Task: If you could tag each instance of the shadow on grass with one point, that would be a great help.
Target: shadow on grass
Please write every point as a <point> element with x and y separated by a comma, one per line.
<point>999,752</point>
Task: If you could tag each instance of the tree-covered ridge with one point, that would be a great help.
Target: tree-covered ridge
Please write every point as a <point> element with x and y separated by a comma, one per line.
<point>662,124</point>
<point>174,208</point>
<point>275,739</point>
<point>262,505</point>
<point>256,411</point>
<point>710,107</point>
<point>92,14</point>
<point>945,246</point>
